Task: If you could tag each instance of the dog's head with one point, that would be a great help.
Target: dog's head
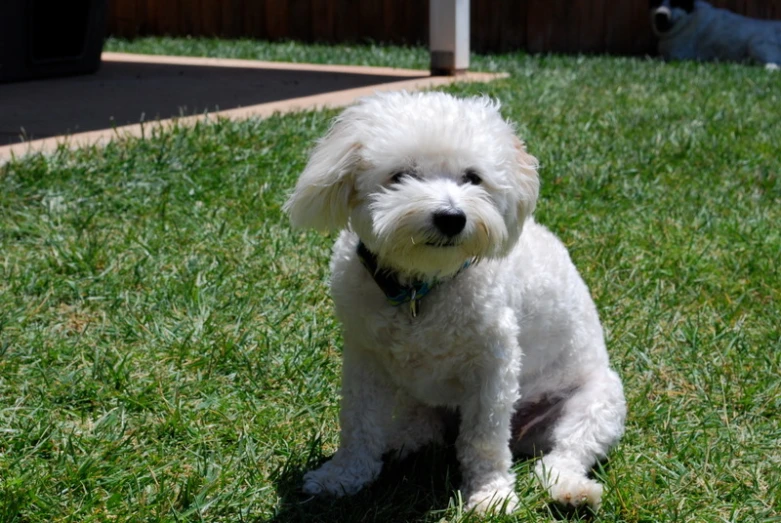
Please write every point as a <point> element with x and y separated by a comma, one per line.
<point>667,14</point>
<point>426,180</point>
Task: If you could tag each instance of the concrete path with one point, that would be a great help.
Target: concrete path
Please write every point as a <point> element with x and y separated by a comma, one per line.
<point>156,90</point>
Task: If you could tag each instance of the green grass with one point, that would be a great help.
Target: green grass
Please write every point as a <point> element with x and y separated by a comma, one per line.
<point>168,352</point>
<point>291,51</point>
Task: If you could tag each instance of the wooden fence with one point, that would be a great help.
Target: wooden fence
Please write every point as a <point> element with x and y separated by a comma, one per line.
<point>568,26</point>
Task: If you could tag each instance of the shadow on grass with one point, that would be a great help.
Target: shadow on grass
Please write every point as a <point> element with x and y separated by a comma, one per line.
<point>420,488</point>
<point>417,488</point>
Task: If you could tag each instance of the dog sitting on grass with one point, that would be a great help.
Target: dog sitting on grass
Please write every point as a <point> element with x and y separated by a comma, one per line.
<point>695,30</point>
<point>450,295</point>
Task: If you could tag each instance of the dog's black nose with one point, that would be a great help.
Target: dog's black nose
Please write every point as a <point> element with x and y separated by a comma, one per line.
<point>662,22</point>
<point>450,222</point>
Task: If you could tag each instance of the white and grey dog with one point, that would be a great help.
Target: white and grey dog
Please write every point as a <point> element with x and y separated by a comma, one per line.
<point>451,295</point>
<point>695,30</point>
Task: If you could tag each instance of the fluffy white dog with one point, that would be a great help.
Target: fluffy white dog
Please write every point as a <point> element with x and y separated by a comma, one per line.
<point>451,295</point>
<point>695,30</point>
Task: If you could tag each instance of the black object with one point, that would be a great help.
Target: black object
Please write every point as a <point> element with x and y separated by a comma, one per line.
<point>44,38</point>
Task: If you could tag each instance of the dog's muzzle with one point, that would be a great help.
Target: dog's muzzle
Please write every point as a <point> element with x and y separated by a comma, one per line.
<point>662,19</point>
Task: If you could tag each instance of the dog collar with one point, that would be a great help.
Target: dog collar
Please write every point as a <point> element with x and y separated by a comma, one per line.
<point>388,281</point>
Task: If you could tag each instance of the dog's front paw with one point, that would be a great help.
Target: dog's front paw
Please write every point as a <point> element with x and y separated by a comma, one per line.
<point>497,501</point>
<point>340,479</point>
<point>566,485</point>
<point>576,491</point>
<point>570,488</point>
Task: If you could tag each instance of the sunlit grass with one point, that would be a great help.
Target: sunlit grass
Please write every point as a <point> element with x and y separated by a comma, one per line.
<point>168,352</point>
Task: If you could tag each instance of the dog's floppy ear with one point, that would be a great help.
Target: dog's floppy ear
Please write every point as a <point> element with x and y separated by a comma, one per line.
<point>528,183</point>
<point>321,199</point>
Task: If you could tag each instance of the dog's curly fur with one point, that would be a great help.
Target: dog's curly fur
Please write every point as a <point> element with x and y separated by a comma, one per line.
<point>515,332</point>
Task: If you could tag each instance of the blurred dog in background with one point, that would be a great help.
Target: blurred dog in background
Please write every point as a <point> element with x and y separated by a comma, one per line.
<point>695,30</point>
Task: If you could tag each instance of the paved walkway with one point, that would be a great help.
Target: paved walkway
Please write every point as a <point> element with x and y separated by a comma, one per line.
<point>129,89</point>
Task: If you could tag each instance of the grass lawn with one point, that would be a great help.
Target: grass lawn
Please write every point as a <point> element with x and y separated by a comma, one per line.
<point>168,352</point>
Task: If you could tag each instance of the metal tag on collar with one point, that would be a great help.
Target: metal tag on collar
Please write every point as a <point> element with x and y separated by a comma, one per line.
<point>413,304</point>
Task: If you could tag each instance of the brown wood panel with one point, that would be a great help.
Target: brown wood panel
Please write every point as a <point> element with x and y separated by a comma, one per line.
<point>628,29</point>
<point>210,17</point>
<point>299,19</point>
<point>276,20</point>
<point>254,21</point>
<point>732,5</point>
<point>322,20</point>
<point>122,17</point>
<point>231,16</point>
<point>345,21</point>
<point>566,33</point>
<point>370,21</point>
<point>152,17</point>
<point>142,18</point>
<point>191,18</point>
<point>414,24</point>
<point>540,24</point>
<point>482,16</point>
<point>590,20</point>
<point>513,19</point>
<point>169,15</point>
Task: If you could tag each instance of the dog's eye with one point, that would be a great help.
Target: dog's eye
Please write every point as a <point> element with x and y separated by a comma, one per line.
<point>471,176</point>
<point>397,177</point>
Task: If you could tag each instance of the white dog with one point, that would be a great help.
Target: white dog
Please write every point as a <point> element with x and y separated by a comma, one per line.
<point>695,30</point>
<point>451,295</point>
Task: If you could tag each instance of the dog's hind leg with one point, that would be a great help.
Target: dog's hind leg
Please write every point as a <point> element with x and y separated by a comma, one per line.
<point>766,51</point>
<point>590,423</point>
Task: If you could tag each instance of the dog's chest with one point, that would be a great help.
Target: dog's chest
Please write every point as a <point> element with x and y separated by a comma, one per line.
<point>434,356</point>
<point>431,355</point>
<point>428,359</point>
